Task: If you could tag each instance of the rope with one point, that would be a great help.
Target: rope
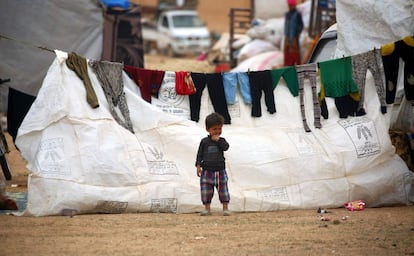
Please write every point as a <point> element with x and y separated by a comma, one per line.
<point>26,43</point>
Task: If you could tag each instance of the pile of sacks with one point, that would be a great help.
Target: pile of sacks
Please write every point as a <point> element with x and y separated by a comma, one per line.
<point>264,41</point>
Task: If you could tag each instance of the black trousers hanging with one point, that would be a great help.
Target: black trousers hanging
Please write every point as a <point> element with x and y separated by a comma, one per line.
<point>215,87</point>
<point>19,104</point>
<point>199,80</point>
<point>261,81</point>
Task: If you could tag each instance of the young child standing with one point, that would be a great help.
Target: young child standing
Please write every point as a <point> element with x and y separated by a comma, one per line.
<point>210,165</point>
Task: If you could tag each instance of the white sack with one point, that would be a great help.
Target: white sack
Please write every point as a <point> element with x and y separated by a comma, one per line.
<point>80,158</point>
<point>239,43</point>
<point>305,10</point>
<point>265,9</point>
<point>363,25</point>
<point>168,100</point>
<point>276,31</point>
<point>254,48</point>
<point>261,61</point>
<point>271,30</point>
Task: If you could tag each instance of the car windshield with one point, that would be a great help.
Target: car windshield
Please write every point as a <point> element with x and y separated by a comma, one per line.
<point>187,21</point>
<point>325,50</point>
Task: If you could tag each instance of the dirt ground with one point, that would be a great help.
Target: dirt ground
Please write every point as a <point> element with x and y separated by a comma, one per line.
<point>373,231</point>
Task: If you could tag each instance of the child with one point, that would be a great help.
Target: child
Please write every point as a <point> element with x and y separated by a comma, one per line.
<point>210,165</point>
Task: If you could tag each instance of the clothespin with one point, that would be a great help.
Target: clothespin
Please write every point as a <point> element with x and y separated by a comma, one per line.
<point>4,80</point>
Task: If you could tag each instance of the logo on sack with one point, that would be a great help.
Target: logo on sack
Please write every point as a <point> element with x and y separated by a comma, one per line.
<point>362,132</point>
<point>50,157</point>
<point>167,93</point>
<point>157,164</point>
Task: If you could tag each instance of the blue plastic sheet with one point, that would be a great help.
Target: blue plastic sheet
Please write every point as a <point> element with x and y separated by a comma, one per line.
<point>115,3</point>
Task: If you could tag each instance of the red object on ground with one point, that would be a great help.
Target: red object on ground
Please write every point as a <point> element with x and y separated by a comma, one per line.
<point>357,205</point>
<point>7,203</point>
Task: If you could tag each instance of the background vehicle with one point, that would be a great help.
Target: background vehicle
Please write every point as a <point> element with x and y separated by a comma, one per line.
<point>325,47</point>
<point>177,32</point>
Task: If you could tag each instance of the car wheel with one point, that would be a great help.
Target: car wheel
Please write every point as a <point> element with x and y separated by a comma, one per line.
<point>169,51</point>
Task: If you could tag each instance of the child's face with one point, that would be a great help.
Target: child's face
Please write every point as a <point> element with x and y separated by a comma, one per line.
<point>215,130</point>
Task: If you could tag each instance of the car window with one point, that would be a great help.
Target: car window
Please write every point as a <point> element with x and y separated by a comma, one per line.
<point>325,50</point>
<point>185,21</point>
<point>165,22</point>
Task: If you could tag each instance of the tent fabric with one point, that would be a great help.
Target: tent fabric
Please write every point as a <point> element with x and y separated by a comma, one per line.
<point>116,3</point>
<point>378,23</point>
<point>72,26</point>
<point>80,158</point>
<point>122,36</point>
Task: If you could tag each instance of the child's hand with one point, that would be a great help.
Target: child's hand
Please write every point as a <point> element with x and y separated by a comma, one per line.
<point>215,137</point>
<point>198,171</point>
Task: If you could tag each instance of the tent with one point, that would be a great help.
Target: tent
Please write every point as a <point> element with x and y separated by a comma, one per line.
<point>30,22</point>
<point>80,158</point>
<point>30,30</point>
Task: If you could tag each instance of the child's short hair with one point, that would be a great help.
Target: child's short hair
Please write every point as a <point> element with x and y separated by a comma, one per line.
<point>214,119</point>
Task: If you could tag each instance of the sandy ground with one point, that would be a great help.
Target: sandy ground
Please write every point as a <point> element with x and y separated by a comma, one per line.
<point>373,231</point>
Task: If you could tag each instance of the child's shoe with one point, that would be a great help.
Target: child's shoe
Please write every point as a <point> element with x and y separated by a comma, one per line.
<point>226,213</point>
<point>205,213</point>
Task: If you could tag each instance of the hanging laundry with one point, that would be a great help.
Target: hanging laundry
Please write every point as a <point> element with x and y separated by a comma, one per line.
<point>148,81</point>
<point>337,78</point>
<point>337,82</point>
<point>18,105</point>
<point>184,84</point>
<point>169,101</point>
<point>371,61</point>
<point>230,82</point>
<point>322,102</point>
<point>109,75</point>
<point>214,82</point>
<point>199,80</point>
<point>309,71</point>
<point>215,89</point>
<point>346,105</point>
<point>261,81</point>
<point>391,54</point>
<point>289,75</point>
<point>78,64</point>
<point>391,62</point>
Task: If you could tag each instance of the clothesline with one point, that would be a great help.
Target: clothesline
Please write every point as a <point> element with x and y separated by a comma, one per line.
<point>2,81</point>
<point>342,79</point>
<point>26,43</point>
<point>337,81</point>
<point>368,60</point>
